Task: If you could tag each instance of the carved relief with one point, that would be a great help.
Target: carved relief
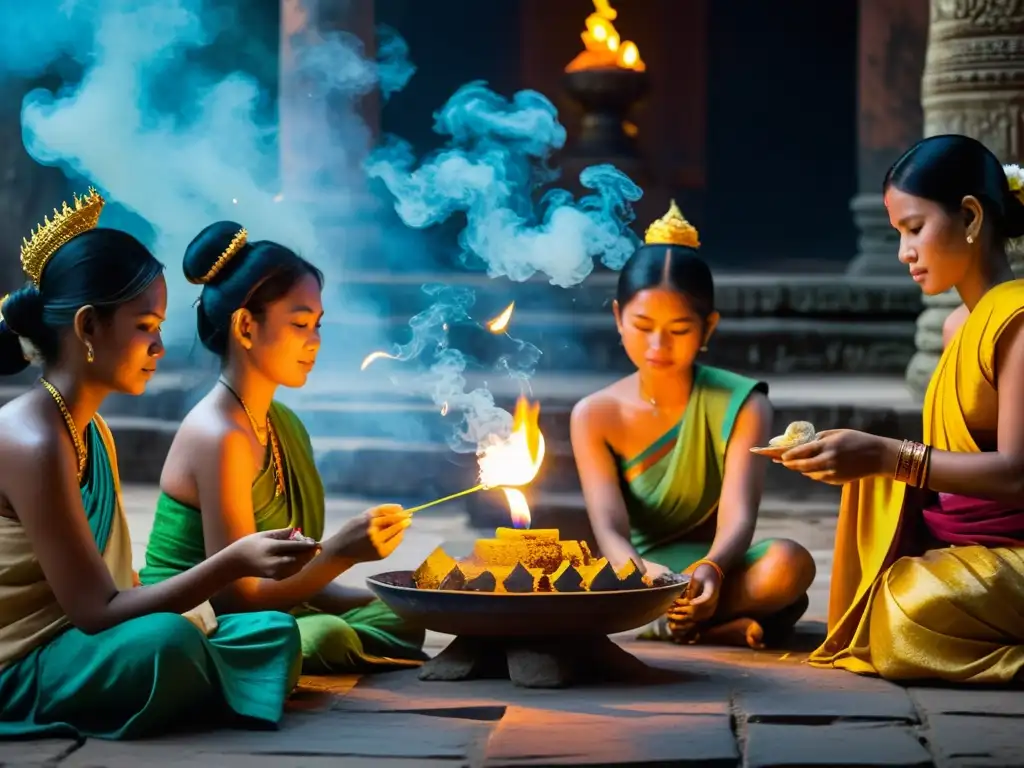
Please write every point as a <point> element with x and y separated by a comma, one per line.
<point>973,84</point>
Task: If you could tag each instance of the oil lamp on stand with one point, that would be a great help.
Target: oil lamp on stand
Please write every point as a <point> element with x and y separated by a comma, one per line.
<point>607,79</point>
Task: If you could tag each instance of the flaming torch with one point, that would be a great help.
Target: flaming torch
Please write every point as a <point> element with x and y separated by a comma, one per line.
<point>509,463</point>
<point>607,78</point>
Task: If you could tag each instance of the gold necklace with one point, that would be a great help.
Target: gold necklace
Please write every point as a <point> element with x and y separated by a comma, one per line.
<point>80,451</point>
<point>275,449</point>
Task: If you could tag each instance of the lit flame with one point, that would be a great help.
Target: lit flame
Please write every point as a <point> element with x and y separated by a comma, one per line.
<point>370,358</point>
<point>515,460</point>
<point>444,409</point>
<point>518,506</point>
<point>604,48</point>
<point>500,323</point>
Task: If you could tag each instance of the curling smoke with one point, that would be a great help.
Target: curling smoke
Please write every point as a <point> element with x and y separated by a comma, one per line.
<point>495,162</point>
<point>174,142</point>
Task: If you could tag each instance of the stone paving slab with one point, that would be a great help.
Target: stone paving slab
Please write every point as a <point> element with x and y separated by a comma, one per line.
<point>531,737</point>
<point>965,741</point>
<point>969,701</point>
<point>838,744</point>
<point>379,736</point>
<point>823,706</point>
<point>38,752</point>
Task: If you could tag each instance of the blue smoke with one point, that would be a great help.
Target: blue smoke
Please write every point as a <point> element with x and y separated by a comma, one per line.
<point>495,163</point>
<point>181,145</point>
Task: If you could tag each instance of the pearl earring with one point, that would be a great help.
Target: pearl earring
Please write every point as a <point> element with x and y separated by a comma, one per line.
<point>970,239</point>
<point>704,348</point>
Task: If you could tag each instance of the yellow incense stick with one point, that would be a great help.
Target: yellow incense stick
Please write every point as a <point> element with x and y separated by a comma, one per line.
<point>466,492</point>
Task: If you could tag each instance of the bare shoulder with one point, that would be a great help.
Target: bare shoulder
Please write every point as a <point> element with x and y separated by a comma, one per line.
<point>205,440</point>
<point>601,410</point>
<point>30,444</point>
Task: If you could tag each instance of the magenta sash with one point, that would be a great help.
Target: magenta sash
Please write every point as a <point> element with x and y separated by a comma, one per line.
<point>961,520</point>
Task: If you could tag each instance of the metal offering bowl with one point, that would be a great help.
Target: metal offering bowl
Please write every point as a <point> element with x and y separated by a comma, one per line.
<point>531,614</point>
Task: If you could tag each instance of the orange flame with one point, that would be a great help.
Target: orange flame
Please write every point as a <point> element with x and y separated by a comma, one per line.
<point>604,49</point>
<point>500,323</point>
<point>515,460</point>
<point>373,356</point>
<point>444,408</point>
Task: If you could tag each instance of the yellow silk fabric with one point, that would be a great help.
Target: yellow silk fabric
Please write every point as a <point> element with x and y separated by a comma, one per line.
<point>953,614</point>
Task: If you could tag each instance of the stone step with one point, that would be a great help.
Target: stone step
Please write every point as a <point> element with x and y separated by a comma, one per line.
<point>571,342</point>
<point>736,294</point>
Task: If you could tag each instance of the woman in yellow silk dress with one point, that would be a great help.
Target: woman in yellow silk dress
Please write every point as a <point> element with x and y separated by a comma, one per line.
<point>664,459</point>
<point>83,652</point>
<point>247,463</point>
<point>928,576</point>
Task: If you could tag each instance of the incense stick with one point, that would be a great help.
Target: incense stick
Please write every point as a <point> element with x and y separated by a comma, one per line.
<point>466,492</point>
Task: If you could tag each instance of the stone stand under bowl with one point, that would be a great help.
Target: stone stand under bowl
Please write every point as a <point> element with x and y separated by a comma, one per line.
<point>537,639</point>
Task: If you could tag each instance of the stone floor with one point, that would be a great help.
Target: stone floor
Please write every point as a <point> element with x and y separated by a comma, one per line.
<point>703,707</point>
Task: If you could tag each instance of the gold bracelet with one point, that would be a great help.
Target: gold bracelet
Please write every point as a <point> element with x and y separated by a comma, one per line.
<point>712,563</point>
<point>899,473</point>
<point>916,454</point>
<point>926,465</point>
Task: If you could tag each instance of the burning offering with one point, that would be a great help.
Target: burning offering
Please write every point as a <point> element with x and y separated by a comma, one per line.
<point>518,561</point>
<point>297,535</point>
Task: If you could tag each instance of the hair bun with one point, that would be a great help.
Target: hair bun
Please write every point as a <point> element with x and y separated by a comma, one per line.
<point>23,318</point>
<point>206,250</point>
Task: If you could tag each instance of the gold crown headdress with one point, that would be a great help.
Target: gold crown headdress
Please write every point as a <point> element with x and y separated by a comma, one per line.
<point>672,229</point>
<point>50,235</point>
<point>233,247</point>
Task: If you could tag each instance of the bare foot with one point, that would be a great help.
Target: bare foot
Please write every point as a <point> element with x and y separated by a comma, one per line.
<point>742,632</point>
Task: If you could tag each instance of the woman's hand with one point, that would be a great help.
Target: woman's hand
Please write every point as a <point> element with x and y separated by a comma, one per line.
<point>272,554</point>
<point>840,456</point>
<point>699,603</point>
<point>372,535</point>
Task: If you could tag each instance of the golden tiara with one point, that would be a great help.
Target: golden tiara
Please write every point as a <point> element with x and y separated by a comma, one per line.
<point>68,223</point>
<point>233,247</point>
<point>672,229</point>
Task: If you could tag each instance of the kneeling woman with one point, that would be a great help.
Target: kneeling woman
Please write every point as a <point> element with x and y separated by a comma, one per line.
<point>664,458</point>
<point>83,653</point>
<point>247,463</point>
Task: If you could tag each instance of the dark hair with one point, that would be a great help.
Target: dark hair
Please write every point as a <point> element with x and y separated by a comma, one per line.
<point>258,274</point>
<point>946,169</point>
<point>676,267</point>
<point>101,267</point>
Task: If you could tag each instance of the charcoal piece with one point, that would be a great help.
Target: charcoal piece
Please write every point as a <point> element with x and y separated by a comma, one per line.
<point>605,580</point>
<point>570,580</point>
<point>544,583</point>
<point>520,580</point>
<point>455,580</point>
<point>630,577</point>
<point>485,582</point>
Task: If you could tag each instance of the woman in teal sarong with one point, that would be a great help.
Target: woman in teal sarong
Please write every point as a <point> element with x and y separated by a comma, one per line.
<point>247,463</point>
<point>664,458</point>
<point>83,651</point>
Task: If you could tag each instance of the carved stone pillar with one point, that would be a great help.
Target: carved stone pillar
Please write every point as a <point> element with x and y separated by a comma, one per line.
<point>891,40</point>
<point>973,85</point>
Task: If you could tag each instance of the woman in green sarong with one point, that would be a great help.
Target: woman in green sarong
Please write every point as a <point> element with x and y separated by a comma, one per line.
<point>83,651</point>
<point>247,463</point>
<point>664,458</point>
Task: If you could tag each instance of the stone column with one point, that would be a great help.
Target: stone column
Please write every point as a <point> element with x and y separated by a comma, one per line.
<point>892,36</point>
<point>973,85</point>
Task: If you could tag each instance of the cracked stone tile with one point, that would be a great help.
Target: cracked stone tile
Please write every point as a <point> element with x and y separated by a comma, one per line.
<point>539,737</point>
<point>835,745</point>
<point>968,701</point>
<point>976,741</point>
<point>815,707</point>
